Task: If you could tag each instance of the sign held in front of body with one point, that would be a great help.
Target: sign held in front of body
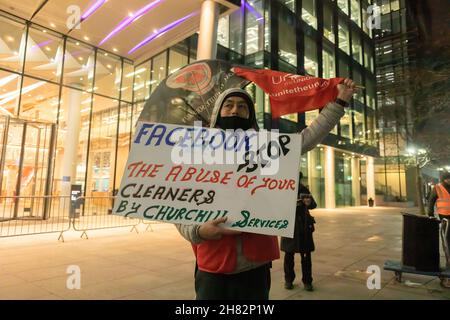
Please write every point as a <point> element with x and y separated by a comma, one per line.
<point>191,175</point>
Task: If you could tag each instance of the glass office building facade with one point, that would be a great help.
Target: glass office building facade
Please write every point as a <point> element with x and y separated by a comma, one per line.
<point>68,109</point>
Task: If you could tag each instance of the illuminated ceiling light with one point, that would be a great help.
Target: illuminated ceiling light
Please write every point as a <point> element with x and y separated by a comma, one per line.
<point>115,49</point>
<point>162,31</point>
<point>77,43</point>
<point>47,48</point>
<point>109,66</point>
<point>92,9</point>
<point>86,38</point>
<point>130,19</point>
<point>10,39</point>
<point>44,31</point>
<point>80,58</point>
<point>138,71</point>
<point>52,25</point>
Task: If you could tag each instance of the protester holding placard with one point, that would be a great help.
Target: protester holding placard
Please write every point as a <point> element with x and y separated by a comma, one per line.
<point>232,264</point>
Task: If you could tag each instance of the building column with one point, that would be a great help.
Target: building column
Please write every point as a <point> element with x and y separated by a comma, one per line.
<point>371,179</point>
<point>330,197</point>
<point>356,181</point>
<point>69,162</point>
<point>207,39</point>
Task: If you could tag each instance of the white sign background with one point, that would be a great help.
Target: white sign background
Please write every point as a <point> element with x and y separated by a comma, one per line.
<point>268,210</point>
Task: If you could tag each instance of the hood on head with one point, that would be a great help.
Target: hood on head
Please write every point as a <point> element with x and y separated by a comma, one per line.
<point>232,92</point>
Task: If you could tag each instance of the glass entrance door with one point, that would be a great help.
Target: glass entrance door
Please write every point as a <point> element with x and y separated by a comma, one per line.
<point>27,152</point>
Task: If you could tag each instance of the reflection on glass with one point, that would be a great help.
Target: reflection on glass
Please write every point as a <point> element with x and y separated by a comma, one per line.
<point>310,116</point>
<point>311,65</point>
<point>79,65</point>
<point>102,147</point>
<point>9,93</point>
<point>39,100</point>
<point>44,54</point>
<point>12,44</point>
<point>309,13</point>
<point>108,73</point>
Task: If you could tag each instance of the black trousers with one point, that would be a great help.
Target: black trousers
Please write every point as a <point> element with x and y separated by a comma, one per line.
<point>248,285</point>
<point>289,264</point>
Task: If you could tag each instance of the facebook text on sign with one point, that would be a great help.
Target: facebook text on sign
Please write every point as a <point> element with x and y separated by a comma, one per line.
<point>191,175</point>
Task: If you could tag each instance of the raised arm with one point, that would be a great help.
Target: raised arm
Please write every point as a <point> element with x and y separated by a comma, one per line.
<point>328,118</point>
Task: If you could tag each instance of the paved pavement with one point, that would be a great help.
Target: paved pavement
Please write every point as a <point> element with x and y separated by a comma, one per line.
<point>159,264</point>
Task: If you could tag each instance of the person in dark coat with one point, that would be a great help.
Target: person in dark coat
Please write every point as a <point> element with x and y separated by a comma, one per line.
<point>302,242</point>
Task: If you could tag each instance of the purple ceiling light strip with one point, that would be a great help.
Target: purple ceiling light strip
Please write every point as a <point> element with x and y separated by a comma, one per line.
<point>257,15</point>
<point>92,9</point>
<point>127,21</point>
<point>162,31</point>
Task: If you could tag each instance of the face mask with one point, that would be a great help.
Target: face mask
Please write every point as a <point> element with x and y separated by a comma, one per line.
<point>234,123</point>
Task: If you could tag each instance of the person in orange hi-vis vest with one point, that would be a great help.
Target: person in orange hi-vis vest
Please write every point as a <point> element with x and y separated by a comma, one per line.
<point>440,196</point>
<point>235,265</point>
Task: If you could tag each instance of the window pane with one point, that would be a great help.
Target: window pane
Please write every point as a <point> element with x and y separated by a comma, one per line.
<point>358,118</point>
<point>12,44</point>
<point>311,64</point>
<point>108,73</point>
<point>44,54</point>
<point>123,144</point>
<point>356,47</point>
<point>343,5</point>
<point>343,179</point>
<point>309,13</point>
<point>177,58</point>
<point>344,37</point>
<point>346,124</point>
<point>316,175</point>
<point>254,27</point>
<point>158,71</point>
<point>328,22</point>
<point>355,11</point>
<point>289,3</point>
<point>78,65</point>
<point>329,67</point>
<point>39,100</point>
<point>236,34</point>
<point>9,93</point>
<point>223,28</point>
<point>142,81</point>
<point>102,147</point>
<point>286,38</point>
<point>344,70</point>
<point>127,82</point>
<point>73,129</point>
